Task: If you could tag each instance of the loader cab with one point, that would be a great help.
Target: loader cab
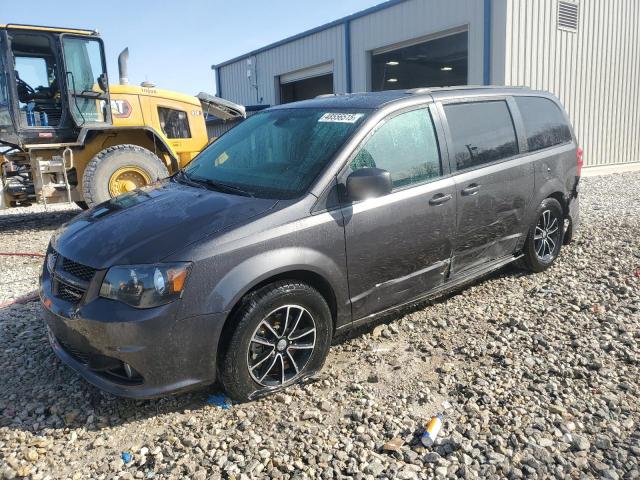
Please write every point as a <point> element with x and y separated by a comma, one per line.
<point>55,83</point>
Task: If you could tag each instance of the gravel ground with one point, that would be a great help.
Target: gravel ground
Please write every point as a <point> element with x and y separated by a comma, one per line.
<point>537,376</point>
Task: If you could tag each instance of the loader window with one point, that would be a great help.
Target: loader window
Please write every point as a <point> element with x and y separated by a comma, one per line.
<point>36,75</point>
<point>4,97</point>
<point>84,65</point>
<point>5,117</point>
<point>174,123</point>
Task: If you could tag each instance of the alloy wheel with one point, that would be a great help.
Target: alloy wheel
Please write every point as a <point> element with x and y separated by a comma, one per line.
<point>547,236</point>
<point>281,346</point>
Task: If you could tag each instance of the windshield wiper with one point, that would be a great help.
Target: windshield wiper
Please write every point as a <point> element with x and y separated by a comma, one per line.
<point>222,186</point>
<point>182,177</point>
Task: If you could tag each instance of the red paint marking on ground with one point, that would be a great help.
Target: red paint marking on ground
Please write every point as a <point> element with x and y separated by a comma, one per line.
<point>29,297</point>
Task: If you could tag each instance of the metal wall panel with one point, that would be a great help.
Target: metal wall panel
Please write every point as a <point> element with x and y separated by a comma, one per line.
<point>595,71</point>
<point>411,20</point>
<point>318,48</point>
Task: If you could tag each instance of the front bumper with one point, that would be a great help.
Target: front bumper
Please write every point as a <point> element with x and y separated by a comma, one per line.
<point>165,354</point>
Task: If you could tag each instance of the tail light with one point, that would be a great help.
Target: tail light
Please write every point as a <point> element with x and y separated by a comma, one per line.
<point>579,161</point>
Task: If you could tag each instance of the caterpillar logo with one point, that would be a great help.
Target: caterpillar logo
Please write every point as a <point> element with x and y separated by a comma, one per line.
<point>120,108</point>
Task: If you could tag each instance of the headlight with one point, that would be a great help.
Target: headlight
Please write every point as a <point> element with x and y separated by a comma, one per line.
<point>51,260</point>
<point>145,286</point>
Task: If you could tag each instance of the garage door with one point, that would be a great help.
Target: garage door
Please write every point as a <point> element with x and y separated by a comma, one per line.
<point>307,83</point>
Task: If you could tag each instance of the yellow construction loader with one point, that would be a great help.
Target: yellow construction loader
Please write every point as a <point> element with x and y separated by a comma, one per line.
<point>66,135</point>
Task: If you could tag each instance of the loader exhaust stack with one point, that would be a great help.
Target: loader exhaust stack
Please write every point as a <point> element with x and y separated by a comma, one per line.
<point>123,58</point>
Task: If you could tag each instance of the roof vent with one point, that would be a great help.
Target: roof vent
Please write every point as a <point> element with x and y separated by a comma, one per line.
<point>568,16</point>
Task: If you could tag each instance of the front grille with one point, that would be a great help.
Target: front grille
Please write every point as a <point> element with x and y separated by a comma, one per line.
<point>76,354</point>
<point>70,279</point>
<point>77,270</point>
<point>68,293</point>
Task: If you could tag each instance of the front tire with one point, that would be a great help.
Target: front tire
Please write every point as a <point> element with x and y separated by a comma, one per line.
<point>283,334</point>
<point>116,170</point>
<point>543,243</point>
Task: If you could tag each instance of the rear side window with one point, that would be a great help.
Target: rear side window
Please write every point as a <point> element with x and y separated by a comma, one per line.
<point>405,146</point>
<point>544,122</point>
<point>174,123</point>
<point>482,132</point>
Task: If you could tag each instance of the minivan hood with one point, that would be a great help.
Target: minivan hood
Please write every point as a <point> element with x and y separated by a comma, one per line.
<point>147,225</point>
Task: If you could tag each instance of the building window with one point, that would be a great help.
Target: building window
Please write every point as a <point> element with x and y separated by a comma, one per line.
<point>174,123</point>
<point>482,133</point>
<point>435,63</point>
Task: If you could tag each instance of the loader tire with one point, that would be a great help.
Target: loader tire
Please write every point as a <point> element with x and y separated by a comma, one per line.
<point>116,170</point>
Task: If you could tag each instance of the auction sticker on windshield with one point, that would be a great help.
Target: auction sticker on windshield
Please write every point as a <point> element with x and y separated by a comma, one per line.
<point>341,117</point>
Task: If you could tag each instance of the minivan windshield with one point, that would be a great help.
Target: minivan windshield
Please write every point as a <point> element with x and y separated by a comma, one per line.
<point>275,153</point>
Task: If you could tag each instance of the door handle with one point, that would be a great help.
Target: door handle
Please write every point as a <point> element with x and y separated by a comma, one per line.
<point>440,198</point>
<point>471,189</point>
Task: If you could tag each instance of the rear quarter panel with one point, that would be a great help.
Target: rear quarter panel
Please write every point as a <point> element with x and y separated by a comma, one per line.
<point>555,168</point>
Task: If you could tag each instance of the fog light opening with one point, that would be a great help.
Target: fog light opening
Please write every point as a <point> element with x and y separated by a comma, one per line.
<point>128,370</point>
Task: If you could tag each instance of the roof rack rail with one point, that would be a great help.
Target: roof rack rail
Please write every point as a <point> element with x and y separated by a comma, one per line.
<point>426,90</point>
<point>418,91</point>
<point>330,95</point>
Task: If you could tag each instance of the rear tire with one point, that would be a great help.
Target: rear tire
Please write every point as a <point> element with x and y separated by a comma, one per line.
<point>543,243</point>
<point>98,174</point>
<point>259,359</point>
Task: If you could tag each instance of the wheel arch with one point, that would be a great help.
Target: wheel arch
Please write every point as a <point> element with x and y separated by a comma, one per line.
<point>551,187</point>
<point>310,277</point>
<point>559,196</point>
<point>98,140</point>
<point>305,275</point>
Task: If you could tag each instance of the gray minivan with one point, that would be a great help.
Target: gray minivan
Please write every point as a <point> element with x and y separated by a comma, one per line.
<point>301,222</point>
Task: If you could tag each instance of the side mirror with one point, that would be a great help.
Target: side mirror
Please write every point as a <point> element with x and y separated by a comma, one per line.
<point>103,83</point>
<point>368,183</point>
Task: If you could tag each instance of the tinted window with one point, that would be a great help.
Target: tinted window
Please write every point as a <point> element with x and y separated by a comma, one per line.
<point>405,146</point>
<point>276,153</point>
<point>174,123</point>
<point>544,122</point>
<point>482,132</point>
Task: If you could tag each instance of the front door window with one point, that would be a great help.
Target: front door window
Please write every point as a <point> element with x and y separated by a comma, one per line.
<point>405,146</point>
